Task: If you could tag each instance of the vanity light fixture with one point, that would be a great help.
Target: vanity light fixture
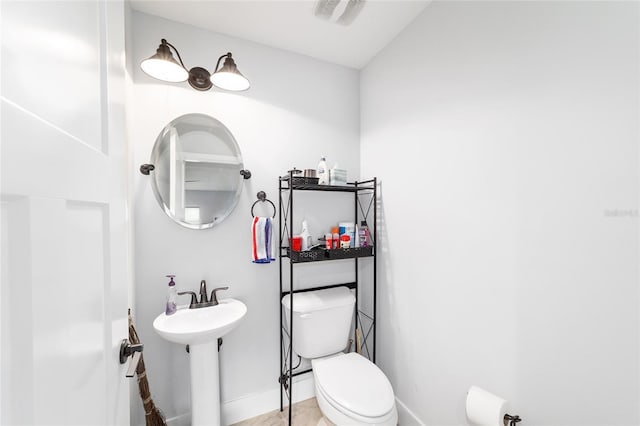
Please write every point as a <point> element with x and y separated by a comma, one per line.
<point>163,66</point>
<point>228,77</point>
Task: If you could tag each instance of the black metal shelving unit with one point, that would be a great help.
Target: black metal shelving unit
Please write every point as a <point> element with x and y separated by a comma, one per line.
<point>365,208</point>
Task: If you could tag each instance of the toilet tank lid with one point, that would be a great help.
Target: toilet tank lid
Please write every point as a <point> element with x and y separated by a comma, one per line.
<point>318,300</point>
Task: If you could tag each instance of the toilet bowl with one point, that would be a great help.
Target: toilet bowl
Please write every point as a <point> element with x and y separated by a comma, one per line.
<point>351,390</point>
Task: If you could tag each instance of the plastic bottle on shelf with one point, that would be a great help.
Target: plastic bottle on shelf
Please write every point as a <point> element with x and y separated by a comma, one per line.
<point>356,234</point>
<point>336,237</point>
<point>322,171</point>
<point>306,236</point>
<point>172,295</point>
<point>328,241</point>
<point>351,230</point>
<point>365,234</point>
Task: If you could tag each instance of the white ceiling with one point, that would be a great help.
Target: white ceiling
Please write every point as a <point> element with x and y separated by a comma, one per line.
<point>291,25</point>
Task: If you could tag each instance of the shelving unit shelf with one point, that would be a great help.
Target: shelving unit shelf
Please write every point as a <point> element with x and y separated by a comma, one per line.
<point>318,255</point>
<point>364,332</point>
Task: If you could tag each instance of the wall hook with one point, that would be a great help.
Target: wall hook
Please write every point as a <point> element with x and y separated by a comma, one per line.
<point>245,174</point>
<point>510,420</point>
<point>146,168</point>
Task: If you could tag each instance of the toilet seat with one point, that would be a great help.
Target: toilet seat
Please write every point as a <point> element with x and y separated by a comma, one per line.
<point>356,388</point>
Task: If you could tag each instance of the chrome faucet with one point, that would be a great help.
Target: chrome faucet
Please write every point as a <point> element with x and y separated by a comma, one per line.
<point>204,301</point>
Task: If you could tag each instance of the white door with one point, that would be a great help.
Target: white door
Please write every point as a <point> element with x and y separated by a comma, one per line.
<point>64,279</point>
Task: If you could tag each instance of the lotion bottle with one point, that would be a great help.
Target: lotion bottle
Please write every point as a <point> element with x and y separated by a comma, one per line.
<point>172,295</point>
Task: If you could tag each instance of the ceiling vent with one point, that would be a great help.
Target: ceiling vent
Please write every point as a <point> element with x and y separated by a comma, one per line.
<point>342,12</point>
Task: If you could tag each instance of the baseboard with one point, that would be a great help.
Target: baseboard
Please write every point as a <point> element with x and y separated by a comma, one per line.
<point>255,404</point>
<point>181,420</point>
<point>406,416</point>
<point>259,403</point>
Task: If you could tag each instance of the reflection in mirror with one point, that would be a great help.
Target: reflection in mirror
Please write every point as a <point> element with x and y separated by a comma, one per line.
<point>197,178</point>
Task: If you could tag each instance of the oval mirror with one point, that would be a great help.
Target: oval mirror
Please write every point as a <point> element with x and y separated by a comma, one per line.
<point>196,177</point>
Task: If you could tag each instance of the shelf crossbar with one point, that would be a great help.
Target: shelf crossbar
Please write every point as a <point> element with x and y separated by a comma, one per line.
<point>351,285</point>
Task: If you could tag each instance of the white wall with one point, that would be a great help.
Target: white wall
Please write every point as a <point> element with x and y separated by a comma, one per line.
<point>506,138</point>
<point>297,110</point>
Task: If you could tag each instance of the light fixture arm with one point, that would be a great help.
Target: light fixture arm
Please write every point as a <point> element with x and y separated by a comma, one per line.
<point>228,54</point>
<point>164,41</point>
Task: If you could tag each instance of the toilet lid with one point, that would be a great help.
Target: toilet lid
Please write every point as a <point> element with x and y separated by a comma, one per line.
<point>353,382</point>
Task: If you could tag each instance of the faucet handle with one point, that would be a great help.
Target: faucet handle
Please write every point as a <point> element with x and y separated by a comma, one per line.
<point>214,298</point>
<point>194,298</point>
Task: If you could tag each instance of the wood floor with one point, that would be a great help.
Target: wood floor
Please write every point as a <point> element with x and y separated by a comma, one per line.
<point>305,413</point>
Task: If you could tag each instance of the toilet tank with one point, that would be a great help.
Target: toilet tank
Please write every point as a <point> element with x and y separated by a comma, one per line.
<point>321,321</point>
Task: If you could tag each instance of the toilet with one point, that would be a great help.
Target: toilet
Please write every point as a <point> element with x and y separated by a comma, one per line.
<point>350,389</point>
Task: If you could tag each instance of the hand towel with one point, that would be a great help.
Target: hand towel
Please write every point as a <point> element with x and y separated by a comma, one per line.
<point>262,240</point>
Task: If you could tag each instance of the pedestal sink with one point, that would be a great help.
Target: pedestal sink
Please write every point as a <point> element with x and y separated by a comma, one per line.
<point>200,328</point>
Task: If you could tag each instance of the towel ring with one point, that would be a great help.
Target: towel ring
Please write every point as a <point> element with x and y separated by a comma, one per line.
<point>262,197</point>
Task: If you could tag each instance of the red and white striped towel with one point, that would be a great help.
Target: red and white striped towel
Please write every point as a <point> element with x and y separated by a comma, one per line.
<point>262,240</point>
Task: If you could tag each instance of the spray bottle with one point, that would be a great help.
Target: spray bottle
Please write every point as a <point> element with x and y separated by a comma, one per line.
<point>306,236</point>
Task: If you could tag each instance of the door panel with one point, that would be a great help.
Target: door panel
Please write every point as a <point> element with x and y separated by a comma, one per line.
<point>52,62</point>
<point>63,294</point>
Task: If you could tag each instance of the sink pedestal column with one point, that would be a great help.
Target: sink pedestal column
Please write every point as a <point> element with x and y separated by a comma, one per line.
<point>205,387</point>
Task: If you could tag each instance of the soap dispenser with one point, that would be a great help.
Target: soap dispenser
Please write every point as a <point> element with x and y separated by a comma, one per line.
<point>172,296</point>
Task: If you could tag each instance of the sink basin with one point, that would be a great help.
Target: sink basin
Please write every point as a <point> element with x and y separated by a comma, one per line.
<point>200,325</point>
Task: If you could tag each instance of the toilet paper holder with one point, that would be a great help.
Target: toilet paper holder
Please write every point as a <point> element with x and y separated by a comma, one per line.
<point>510,420</point>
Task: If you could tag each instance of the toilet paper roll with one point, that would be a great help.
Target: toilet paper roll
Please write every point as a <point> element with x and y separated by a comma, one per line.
<point>484,408</point>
